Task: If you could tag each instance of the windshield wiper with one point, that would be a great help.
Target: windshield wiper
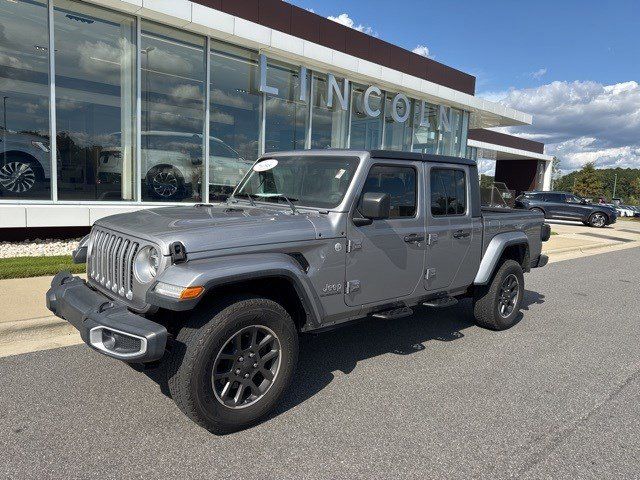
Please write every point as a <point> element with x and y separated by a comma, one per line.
<point>281,195</point>
<point>249,197</point>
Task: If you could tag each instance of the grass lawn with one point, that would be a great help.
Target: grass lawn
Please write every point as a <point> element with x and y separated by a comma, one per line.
<point>22,267</point>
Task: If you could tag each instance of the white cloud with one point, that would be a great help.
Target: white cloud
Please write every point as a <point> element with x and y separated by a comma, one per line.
<point>538,74</point>
<point>422,50</point>
<point>347,21</point>
<point>581,121</point>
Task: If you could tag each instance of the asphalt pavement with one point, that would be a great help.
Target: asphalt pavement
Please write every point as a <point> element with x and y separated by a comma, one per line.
<point>430,396</point>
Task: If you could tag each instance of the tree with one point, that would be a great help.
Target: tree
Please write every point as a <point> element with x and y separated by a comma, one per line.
<point>587,182</point>
<point>635,187</point>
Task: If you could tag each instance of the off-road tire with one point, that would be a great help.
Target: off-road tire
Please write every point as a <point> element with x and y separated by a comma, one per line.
<point>196,346</point>
<point>486,300</point>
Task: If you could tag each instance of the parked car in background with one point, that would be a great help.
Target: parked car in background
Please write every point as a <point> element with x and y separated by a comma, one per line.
<point>625,211</point>
<point>172,163</point>
<point>24,163</point>
<point>567,206</point>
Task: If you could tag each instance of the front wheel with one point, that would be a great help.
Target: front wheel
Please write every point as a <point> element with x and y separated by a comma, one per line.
<point>20,177</point>
<point>496,306</point>
<point>230,367</point>
<point>598,220</point>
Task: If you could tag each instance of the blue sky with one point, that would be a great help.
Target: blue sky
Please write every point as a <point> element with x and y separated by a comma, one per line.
<point>506,42</point>
<point>574,65</point>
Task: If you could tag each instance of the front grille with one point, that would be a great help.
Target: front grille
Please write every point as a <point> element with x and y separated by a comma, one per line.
<point>111,261</point>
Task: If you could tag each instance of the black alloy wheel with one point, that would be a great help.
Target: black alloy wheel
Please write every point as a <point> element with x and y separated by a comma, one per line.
<point>509,292</point>
<point>246,366</point>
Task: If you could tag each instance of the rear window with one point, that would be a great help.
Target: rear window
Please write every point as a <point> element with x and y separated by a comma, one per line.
<point>448,192</point>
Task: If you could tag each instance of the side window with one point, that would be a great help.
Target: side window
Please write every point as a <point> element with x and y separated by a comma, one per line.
<point>448,192</point>
<point>399,183</point>
<point>554,197</point>
<point>572,199</point>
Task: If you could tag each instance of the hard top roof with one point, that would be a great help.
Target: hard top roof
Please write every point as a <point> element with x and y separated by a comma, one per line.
<point>380,154</point>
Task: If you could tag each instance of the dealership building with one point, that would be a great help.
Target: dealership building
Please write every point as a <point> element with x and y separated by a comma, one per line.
<point>116,105</point>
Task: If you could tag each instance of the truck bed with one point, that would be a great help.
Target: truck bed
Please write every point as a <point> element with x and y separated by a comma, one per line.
<point>499,220</point>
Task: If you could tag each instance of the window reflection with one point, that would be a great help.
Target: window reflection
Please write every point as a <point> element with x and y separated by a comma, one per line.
<point>329,126</point>
<point>234,117</point>
<point>25,165</point>
<point>450,128</point>
<point>397,135</point>
<point>425,138</point>
<point>95,63</point>
<point>366,132</point>
<point>286,116</point>
<point>173,106</point>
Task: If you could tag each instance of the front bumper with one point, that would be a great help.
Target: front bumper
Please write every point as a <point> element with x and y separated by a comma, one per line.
<point>104,324</point>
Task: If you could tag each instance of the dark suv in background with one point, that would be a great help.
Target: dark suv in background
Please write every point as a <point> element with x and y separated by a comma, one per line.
<point>567,206</point>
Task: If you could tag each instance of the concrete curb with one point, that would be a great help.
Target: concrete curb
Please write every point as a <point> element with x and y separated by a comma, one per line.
<point>581,248</point>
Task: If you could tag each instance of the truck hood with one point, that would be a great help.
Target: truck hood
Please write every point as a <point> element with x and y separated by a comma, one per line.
<point>204,228</point>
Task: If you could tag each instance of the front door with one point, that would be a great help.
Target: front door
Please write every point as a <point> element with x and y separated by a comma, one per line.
<point>385,259</point>
<point>452,233</point>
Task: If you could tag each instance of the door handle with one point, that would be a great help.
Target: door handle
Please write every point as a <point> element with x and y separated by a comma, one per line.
<point>461,234</point>
<point>414,238</point>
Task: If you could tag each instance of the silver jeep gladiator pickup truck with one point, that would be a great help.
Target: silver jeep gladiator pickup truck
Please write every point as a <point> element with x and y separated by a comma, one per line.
<point>216,295</point>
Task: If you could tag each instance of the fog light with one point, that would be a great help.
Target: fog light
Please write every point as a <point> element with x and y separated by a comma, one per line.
<point>174,291</point>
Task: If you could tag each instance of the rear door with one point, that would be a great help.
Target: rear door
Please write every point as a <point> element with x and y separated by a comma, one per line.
<point>554,205</point>
<point>385,259</point>
<point>451,231</point>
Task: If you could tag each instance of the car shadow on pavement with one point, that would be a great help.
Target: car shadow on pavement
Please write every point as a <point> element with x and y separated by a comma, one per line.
<point>342,349</point>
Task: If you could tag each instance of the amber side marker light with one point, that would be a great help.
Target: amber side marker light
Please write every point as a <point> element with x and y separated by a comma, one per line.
<point>191,292</point>
<point>177,292</point>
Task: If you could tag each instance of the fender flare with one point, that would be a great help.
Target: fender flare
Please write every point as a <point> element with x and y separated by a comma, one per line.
<point>217,271</point>
<point>494,252</point>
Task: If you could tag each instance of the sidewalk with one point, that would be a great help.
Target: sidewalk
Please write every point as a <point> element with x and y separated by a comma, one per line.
<point>26,325</point>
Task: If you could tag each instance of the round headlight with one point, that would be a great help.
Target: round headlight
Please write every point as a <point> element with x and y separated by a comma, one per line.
<point>145,265</point>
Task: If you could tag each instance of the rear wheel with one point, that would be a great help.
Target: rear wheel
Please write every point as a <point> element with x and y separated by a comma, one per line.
<point>497,305</point>
<point>165,183</point>
<point>230,367</point>
<point>598,219</point>
<point>538,210</point>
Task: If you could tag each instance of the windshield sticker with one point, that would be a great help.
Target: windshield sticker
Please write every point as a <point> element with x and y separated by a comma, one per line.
<point>265,165</point>
<point>340,173</point>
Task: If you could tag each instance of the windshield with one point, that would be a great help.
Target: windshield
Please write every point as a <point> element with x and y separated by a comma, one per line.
<point>312,181</point>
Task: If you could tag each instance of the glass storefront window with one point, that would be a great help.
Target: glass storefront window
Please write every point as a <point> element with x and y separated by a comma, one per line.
<point>366,131</point>
<point>450,128</point>
<point>425,138</point>
<point>172,87</point>
<point>95,91</point>
<point>25,161</point>
<point>329,125</point>
<point>234,117</point>
<point>397,135</point>
<point>286,116</point>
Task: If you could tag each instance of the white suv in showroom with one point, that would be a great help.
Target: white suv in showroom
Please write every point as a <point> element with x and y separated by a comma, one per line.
<point>172,165</point>
<point>25,166</point>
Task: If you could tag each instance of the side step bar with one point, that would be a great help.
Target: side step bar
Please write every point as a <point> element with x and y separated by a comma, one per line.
<point>441,302</point>
<point>394,313</point>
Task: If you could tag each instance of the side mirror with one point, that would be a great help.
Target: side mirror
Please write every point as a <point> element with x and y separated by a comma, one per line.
<point>374,206</point>
<point>583,201</point>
